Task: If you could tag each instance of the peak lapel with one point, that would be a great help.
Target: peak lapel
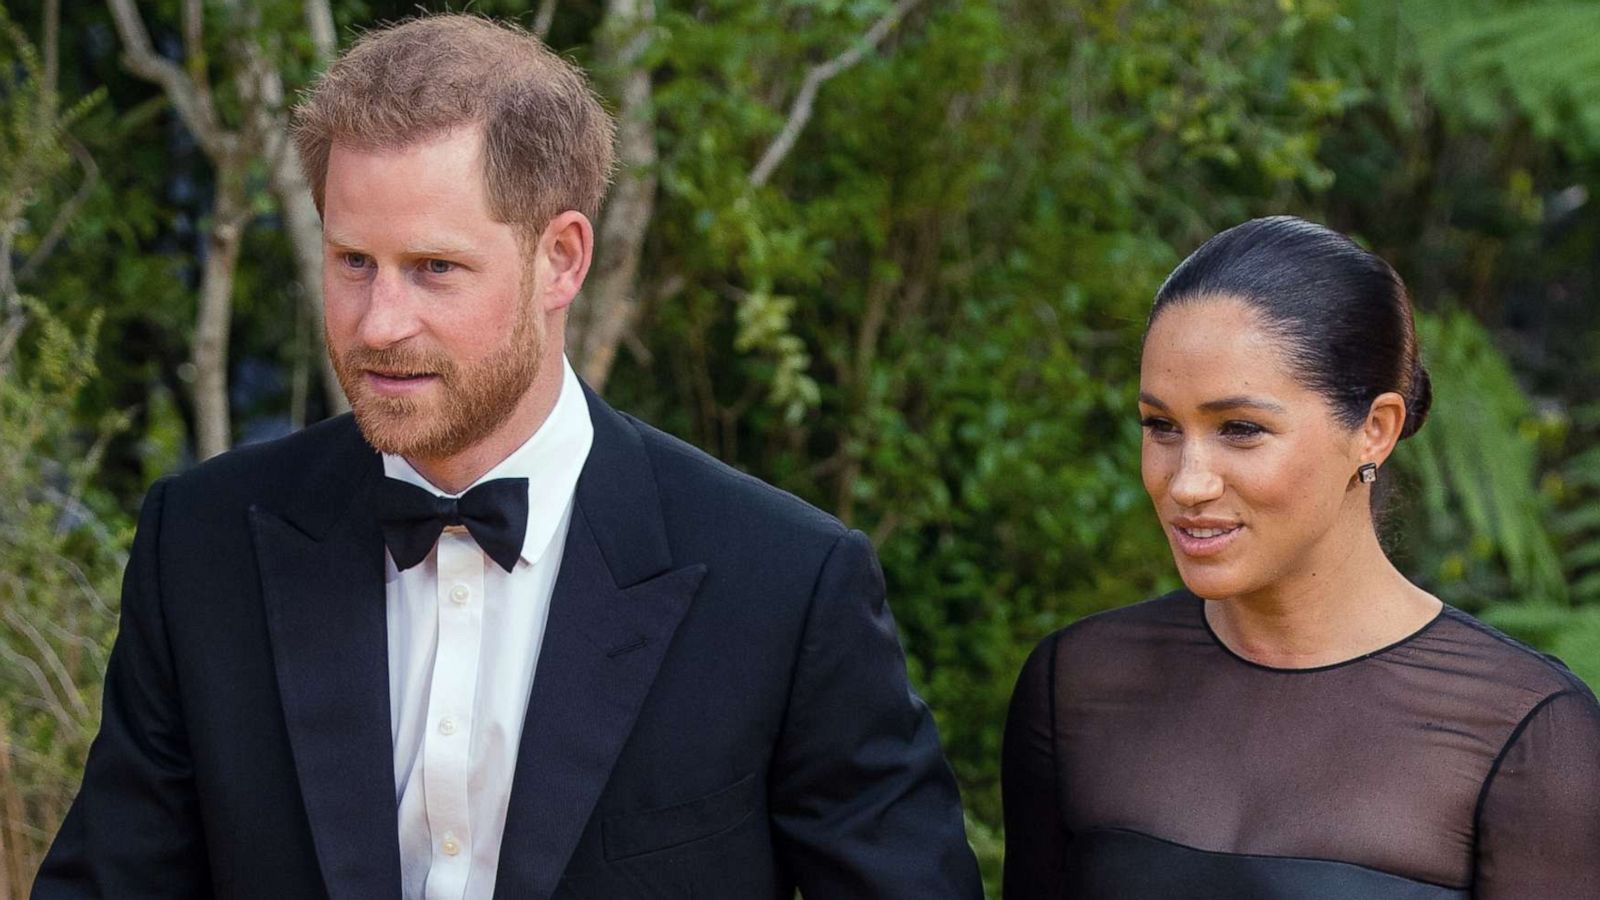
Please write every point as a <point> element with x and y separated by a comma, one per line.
<point>615,608</point>
<point>322,584</point>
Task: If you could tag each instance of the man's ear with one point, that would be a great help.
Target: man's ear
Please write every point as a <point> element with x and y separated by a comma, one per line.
<point>1381,430</point>
<point>561,259</point>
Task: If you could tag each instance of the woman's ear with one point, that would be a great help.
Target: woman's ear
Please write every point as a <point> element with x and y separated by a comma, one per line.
<point>1381,430</point>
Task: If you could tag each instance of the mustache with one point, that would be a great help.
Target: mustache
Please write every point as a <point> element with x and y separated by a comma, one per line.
<point>399,361</point>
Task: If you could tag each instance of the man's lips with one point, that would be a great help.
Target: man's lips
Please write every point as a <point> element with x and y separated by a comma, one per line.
<point>399,383</point>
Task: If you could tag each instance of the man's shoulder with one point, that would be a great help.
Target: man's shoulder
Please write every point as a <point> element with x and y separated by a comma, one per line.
<point>274,472</point>
<point>694,484</point>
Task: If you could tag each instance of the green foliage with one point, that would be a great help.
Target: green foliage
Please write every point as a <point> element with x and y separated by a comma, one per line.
<point>31,122</point>
<point>1540,55</point>
<point>61,541</point>
<point>1573,635</point>
<point>962,248</point>
<point>1477,529</point>
<point>928,320</point>
<point>1577,522</point>
<point>62,548</point>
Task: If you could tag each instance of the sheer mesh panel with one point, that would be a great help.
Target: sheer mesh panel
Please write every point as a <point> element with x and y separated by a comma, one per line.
<point>1455,757</point>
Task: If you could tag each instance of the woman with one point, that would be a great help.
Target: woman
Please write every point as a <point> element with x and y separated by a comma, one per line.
<point>1301,721</point>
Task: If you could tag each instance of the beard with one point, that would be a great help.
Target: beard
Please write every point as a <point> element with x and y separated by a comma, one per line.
<point>468,404</point>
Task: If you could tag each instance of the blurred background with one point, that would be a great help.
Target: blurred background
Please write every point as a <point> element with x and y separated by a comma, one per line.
<point>894,257</point>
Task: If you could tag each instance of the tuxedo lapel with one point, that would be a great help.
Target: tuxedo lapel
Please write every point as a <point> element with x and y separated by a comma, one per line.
<point>322,584</point>
<point>616,605</point>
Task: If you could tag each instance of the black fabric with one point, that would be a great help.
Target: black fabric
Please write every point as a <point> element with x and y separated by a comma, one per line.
<point>1124,865</point>
<point>706,632</point>
<point>1455,759</point>
<point>495,513</point>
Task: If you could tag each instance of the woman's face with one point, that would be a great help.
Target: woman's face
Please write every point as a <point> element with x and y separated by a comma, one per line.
<point>1251,475</point>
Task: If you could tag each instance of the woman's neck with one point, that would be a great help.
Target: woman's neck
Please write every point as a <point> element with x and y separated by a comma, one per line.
<point>1345,605</point>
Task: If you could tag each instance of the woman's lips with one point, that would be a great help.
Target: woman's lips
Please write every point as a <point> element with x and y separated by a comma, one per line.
<point>1204,541</point>
<point>396,385</point>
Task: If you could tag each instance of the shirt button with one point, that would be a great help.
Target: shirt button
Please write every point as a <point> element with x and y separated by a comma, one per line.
<point>460,594</point>
<point>447,725</point>
<point>449,845</point>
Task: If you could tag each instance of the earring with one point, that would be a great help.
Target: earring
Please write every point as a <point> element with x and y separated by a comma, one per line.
<point>1368,473</point>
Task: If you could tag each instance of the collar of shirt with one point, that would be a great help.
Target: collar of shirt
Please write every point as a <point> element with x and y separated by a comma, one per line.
<point>551,460</point>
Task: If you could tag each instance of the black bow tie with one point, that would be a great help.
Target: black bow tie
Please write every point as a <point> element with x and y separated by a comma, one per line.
<point>495,514</point>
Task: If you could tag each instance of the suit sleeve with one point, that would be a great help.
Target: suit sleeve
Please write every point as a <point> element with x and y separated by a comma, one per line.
<point>863,803</point>
<point>134,830</point>
<point>1539,821</point>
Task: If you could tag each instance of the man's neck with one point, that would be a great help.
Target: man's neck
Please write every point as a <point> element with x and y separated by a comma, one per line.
<point>454,474</point>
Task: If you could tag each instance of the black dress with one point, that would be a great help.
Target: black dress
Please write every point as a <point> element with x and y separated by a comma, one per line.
<point>1145,761</point>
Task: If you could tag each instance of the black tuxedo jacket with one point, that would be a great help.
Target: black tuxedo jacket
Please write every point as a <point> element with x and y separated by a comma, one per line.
<point>720,708</point>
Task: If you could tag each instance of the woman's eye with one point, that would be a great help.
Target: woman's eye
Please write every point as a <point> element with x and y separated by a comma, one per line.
<point>438,267</point>
<point>1158,428</point>
<point>1242,430</point>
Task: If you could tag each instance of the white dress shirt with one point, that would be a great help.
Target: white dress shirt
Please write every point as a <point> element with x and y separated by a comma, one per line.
<point>464,637</point>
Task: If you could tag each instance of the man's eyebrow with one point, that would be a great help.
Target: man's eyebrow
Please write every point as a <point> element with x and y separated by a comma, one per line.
<point>439,250</point>
<point>334,239</point>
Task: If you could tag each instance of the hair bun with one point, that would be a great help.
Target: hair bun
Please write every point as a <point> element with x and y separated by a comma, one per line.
<point>1419,401</point>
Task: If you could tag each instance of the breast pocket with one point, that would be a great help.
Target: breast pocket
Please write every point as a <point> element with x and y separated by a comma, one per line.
<point>634,834</point>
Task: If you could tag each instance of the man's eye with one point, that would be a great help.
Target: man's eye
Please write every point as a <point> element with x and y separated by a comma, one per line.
<point>355,260</point>
<point>438,267</point>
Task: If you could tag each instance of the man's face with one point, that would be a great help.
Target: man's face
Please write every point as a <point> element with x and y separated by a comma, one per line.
<point>430,323</point>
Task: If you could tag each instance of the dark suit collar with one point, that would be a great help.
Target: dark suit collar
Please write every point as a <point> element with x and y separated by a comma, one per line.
<point>617,603</point>
<point>618,492</point>
<point>320,556</point>
<point>336,478</point>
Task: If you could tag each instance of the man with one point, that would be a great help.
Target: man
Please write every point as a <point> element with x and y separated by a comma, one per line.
<point>491,638</point>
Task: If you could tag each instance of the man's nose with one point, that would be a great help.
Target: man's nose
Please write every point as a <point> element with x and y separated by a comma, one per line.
<point>390,315</point>
<point>1197,481</point>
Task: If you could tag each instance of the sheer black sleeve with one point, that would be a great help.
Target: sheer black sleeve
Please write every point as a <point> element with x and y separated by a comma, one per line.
<point>1036,835</point>
<point>1539,819</point>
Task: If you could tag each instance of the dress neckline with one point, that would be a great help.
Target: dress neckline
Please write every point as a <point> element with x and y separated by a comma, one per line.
<point>1199,606</point>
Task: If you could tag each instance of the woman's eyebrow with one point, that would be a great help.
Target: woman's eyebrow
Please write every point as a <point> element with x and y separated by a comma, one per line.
<point>1227,403</point>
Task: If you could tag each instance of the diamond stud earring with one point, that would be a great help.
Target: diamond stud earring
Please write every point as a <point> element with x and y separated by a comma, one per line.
<point>1368,473</point>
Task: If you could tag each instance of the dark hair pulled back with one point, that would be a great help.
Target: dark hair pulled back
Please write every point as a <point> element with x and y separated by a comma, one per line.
<point>1342,314</point>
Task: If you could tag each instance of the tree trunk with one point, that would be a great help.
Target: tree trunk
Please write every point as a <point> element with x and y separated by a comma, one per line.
<point>212,320</point>
<point>609,304</point>
<point>300,219</point>
<point>300,212</point>
<point>12,316</point>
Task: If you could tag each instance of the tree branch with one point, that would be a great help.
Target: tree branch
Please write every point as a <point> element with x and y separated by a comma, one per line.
<point>545,18</point>
<point>68,211</point>
<point>52,46</point>
<point>804,102</point>
<point>324,36</point>
<point>192,102</point>
<point>194,48</point>
<point>70,693</point>
<point>609,304</point>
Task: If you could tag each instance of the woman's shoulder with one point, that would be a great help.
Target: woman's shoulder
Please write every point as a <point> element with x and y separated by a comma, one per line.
<point>1124,634</point>
<point>1179,609</point>
<point>1473,649</point>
